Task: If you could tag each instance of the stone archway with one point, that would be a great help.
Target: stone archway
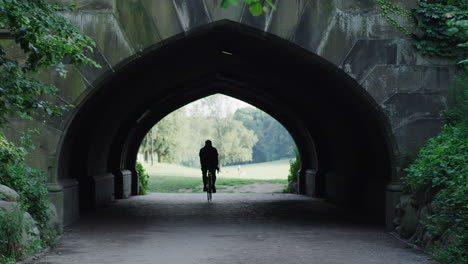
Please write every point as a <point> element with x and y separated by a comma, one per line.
<point>337,126</point>
<point>368,86</point>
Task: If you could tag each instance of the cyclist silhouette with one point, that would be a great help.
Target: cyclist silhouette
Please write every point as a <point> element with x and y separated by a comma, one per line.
<point>209,161</point>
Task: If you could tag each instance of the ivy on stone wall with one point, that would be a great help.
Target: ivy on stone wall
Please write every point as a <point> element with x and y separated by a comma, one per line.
<point>441,26</point>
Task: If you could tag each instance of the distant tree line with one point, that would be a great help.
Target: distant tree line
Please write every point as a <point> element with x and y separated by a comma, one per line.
<point>246,136</point>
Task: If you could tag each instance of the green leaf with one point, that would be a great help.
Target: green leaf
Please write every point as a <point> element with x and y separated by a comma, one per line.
<point>256,9</point>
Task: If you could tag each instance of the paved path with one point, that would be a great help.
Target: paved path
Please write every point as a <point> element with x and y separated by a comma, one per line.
<point>235,228</point>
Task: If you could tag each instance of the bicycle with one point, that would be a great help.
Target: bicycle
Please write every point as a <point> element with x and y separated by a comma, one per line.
<point>209,189</point>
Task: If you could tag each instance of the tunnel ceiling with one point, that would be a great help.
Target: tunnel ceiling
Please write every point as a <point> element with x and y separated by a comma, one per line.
<point>325,111</point>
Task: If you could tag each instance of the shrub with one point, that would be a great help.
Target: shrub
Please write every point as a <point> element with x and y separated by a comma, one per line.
<point>440,169</point>
<point>294,167</point>
<point>30,184</point>
<point>143,179</point>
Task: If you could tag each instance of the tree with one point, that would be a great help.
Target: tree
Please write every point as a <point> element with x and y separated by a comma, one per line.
<point>46,39</point>
<point>274,141</point>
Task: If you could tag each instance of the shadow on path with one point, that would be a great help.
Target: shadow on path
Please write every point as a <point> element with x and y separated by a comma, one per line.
<point>235,228</point>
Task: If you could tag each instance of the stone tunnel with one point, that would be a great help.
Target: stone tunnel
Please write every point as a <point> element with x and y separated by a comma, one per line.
<point>350,89</point>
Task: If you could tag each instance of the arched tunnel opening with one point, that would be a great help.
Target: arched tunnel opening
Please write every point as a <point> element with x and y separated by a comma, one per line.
<point>339,131</point>
<point>255,151</point>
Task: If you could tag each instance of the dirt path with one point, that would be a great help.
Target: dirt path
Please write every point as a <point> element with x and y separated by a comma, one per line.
<point>235,228</point>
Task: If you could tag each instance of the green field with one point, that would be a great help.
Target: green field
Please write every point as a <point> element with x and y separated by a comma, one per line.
<point>176,178</point>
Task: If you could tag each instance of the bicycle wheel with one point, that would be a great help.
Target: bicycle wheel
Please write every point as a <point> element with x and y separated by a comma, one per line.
<point>210,187</point>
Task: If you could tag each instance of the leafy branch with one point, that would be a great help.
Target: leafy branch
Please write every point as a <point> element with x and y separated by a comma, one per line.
<point>256,7</point>
<point>47,39</point>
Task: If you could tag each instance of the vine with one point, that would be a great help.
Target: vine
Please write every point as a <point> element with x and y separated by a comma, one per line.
<point>441,26</point>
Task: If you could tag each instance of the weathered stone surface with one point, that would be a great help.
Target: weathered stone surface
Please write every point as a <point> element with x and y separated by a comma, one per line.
<point>7,194</point>
<point>191,13</point>
<point>387,80</point>
<point>313,23</point>
<point>13,50</point>
<point>105,30</point>
<point>71,86</point>
<point>4,205</point>
<point>409,221</point>
<point>349,27</point>
<point>30,231</point>
<point>286,18</point>
<point>343,32</point>
<point>405,108</point>
<point>356,5</point>
<point>164,16</point>
<point>139,29</point>
<point>413,135</point>
<point>54,221</point>
<point>91,73</point>
<point>216,12</point>
<point>366,54</point>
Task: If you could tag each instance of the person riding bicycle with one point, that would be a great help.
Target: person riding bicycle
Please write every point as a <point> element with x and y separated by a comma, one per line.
<point>209,161</point>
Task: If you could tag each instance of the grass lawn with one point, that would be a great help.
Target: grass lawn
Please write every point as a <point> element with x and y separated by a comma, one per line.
<point>174,184</point>
<point>176,178</point>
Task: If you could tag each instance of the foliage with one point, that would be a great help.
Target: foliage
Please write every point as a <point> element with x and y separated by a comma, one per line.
<point>294,167</point>
<point>46,40</point>
<point>11,231</point>
<point>274,141</point>
<point>143,179</point>
<point>179,136</point>
<point>30,184</point>
<point>442,26</point>
<point>440,170</point>
<point>457,100</point>
<point>391,12</point>
<point>256,7</point>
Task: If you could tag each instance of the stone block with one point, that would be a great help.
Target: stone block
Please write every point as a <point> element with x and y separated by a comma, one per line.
<point>70,87</point>
<point>343,32</point>
<point>357,5</point>
<point>409,221</point>
<point>136,24</point>
<point>414,135</point>
<point>92,73</point>
<point>13,50</point>
<point>366,54</point>
<point>105,30</point>
<point>164,17</point>
<point>71,201</point>
<point>406,108</point>
<point>123,184</point>
<point>392,197</point>
<point>286,18</point>
<point>191,13</point>
<point>4,205</point>
<point>104,189</point>
<point>384,81</point>
<point>310,182</point>
<point>217,13</point>
<point>312,26</point>
<point>45,142</point>
<point>7,194</point>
